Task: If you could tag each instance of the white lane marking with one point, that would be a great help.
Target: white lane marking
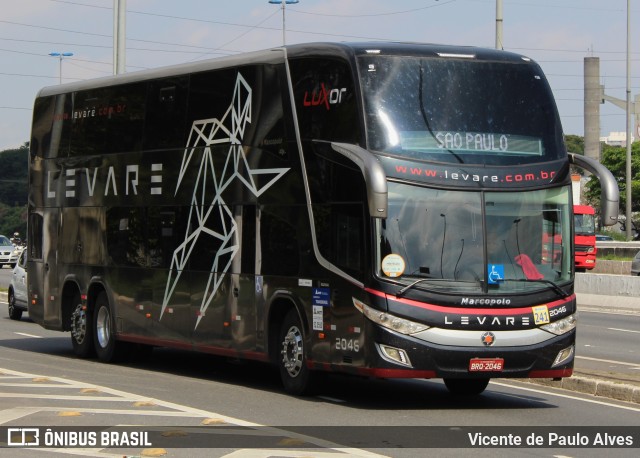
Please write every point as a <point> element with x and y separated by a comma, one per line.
<point>608,312</point>
<point>28,335</point>
<point>84,452</point>
<point>608,361</point>
<point>330,399</point>
<point>567,396</point>
<point>265,453</point>
<point>623,330</point>
<point>173,410</point>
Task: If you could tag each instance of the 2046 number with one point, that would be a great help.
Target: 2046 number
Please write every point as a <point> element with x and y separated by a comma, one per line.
<point>347,344</point>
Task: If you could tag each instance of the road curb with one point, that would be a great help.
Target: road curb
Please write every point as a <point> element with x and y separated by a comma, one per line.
<point>594,386</point>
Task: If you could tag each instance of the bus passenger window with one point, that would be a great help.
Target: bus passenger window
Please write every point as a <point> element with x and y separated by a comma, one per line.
<point>279,251</point>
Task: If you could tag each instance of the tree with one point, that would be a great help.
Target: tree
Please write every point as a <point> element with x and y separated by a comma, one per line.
<point>575,144</point>
<point>13,219</point>
<point>14,191</point>
<point>14,164</point>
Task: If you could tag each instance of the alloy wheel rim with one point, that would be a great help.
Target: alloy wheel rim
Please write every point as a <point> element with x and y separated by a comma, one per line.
<point>292,351</point>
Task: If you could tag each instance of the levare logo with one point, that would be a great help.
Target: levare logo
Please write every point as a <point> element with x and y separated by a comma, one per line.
<point>106,181</point>
<point>324,96</point>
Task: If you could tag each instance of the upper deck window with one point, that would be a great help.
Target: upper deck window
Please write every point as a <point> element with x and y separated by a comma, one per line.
<point>456,110</point>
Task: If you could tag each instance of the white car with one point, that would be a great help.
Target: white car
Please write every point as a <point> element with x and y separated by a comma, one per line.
<point>17,296</point>
<point>8,253</point>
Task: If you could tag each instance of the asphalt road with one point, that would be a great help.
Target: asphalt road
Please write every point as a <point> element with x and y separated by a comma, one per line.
<point>608,345</point>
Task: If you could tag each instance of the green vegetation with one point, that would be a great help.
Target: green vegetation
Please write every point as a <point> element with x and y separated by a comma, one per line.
<point>613,257</point>
<point>14,192</point>
<point>615,159</point>
<point>575,144</point>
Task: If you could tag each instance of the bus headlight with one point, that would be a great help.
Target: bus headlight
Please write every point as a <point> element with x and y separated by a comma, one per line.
<point>561,326</point>
<point>563,356</point>
<point>389,321</point>
<point>395,355</point>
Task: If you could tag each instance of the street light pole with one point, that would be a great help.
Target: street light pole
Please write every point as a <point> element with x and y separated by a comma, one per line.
<point>60,56</point>
<point>119,35</point>
<point>628,206</point>
<point>499,42</point>
<point>283,3</point>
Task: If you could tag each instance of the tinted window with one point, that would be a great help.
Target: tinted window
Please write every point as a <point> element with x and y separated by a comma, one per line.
<point>460,110</point>
<point>165,123</point>
<point>242,104</point>
<point>51,126</point>
<point>338,193</point>
<point>35,236</point>
<point>82,235</point>
<point>108,120</point>
<point>145,237</point>
<point>279,243</point>
<point>325,100</point>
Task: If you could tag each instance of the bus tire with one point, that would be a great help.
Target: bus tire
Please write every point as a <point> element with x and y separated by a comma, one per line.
<point>292,358</point>
<point>466,387</point>
<point>107,347</point>
<point>81,329</point>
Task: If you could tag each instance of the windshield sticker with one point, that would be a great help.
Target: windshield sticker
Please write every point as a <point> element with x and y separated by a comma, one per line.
<point>495,273</point>
<point>393,265</point>
<point>540,314</point>
<point>318,318</point>
<point>320,297</point>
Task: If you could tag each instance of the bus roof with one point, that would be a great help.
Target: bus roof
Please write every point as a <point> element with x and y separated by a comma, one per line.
<point>277,55</point>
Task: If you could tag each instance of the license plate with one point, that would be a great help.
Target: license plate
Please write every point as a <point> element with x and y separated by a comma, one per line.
<point>486,365</point>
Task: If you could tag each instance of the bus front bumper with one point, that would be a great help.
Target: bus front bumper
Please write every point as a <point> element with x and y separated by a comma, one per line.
<point>531,353</point>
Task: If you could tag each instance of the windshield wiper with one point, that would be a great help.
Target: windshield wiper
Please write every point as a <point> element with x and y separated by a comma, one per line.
<point>553,285</point>
<point>404,289</point>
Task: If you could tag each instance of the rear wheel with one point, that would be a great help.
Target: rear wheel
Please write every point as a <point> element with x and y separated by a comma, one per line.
<point>81,329</point>
<point>14,312</point>
<point>466,387</point>
<point>296,376</point>
<point>107,347</point>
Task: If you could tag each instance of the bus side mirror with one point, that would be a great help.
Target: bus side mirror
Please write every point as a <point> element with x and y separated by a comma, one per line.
<point>609,192</point>
<point>374,176</point>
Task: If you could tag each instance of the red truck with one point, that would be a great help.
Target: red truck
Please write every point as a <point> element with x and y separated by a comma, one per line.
<point>585,238</point>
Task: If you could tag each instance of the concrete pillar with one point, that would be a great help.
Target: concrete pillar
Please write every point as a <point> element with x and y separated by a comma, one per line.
<point>592,101</point>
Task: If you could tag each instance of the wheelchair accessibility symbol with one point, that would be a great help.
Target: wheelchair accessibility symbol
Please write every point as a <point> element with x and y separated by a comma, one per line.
<point>495,273</point>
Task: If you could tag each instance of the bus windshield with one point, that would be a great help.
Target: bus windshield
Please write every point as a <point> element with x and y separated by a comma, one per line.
<point>470,242</point>
<point>456,110</point>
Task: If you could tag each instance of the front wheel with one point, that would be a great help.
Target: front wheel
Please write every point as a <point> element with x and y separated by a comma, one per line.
<point>296,376</point>
<point>466,387</point>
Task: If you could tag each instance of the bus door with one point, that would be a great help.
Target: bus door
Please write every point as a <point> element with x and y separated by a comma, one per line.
<point>222,296</point>
<point>42,268</point>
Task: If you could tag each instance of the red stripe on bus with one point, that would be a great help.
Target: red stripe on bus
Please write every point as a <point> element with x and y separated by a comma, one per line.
<point>467,310</point>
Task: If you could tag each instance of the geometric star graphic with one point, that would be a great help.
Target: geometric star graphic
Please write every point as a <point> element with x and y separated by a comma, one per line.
<point>212,220</point>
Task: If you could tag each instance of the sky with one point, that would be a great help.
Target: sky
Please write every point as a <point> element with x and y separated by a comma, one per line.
<point>558,34</point>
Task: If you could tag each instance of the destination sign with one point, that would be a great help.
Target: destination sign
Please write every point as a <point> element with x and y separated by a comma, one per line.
<point>471,142</point>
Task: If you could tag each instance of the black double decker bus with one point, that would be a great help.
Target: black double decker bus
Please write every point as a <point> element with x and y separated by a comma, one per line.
<point>378,209</point>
